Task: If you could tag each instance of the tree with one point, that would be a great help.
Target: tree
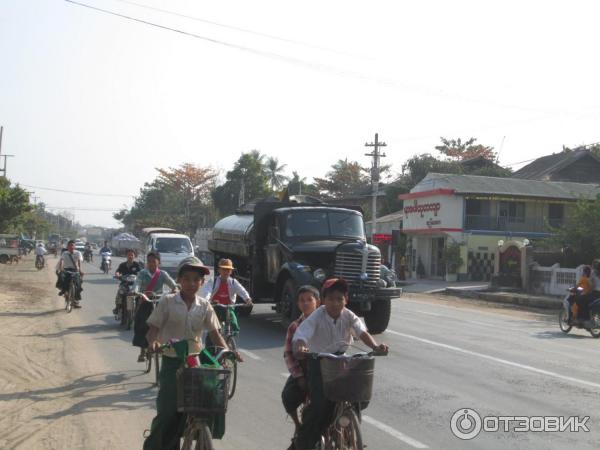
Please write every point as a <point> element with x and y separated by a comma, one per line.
<point>296,184</point>
<point>14,204</point>
<point>274,172</point>
<point>580,234</point>
<point>179,198</point>
<point>457,150</point>
<point>344,178</point>
<point>417,167</point>
<point>251,169</point>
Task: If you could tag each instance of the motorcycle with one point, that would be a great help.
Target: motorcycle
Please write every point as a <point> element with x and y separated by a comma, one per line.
<point>106,262</point>
<point>126,299</point>
<point>87,256</point>
<point>566,320</point>
<point>39,262</point>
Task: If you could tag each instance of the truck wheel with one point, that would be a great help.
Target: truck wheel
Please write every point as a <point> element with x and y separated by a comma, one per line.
<point>4,259</point>
<point>378,318</point>
<point>289,307</point>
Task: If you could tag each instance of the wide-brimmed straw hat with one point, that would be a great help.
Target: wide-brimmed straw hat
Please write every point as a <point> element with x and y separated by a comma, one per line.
<point>226,264</point>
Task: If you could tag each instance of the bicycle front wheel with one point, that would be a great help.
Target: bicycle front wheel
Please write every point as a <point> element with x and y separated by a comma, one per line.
<point>149,357</point>
<point>349,436</point>
<point>231,364</point>
<point>197,430</point>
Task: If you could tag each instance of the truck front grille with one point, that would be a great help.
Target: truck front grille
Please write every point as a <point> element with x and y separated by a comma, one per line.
<point>349,265</point>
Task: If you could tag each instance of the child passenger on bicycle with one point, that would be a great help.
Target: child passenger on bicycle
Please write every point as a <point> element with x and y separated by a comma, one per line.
<point>178,316</point>
<point>328,330</point>
<point>295,389</point>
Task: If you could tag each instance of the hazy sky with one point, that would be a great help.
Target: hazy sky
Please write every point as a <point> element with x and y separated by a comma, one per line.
<point>93,103</point>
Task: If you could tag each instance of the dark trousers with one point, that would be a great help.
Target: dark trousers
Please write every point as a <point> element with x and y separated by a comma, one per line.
<point>583,302</point>
<point>318,413</point>
<point>64,278</point>
<point>168,423</point>
<point>140,327</point>
<point>292,395</point>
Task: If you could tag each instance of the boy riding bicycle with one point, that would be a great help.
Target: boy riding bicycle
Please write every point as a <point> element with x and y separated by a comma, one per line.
<point>328,329</point>
<point>295,389</point>
<point>183,315</point>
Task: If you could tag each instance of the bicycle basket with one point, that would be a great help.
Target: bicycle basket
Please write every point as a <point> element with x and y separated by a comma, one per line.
<point>201,390</point>
<point>348,380</point>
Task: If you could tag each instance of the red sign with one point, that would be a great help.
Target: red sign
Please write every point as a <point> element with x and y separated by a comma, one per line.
<point>381,238</point>
<point>422,208</point>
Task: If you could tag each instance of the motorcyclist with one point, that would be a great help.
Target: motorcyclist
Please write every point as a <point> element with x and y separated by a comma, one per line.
<point>105,248</point>
<point>70,262</point>
<point>584,287</point>
<point>40,251</point>
<point>88,252</point>
<point>128,267</point>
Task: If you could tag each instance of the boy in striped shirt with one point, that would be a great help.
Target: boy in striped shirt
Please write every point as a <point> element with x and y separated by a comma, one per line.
<point>294,391</point>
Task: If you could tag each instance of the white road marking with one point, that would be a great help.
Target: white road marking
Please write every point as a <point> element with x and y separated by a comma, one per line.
<point>397,434</point>
<point>250,354</point>
<point>499,360</point>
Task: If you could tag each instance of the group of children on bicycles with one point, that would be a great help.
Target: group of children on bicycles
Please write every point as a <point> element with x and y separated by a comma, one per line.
<point>320,328</point>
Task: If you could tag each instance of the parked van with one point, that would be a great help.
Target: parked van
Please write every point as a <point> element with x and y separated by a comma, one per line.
<point>172,247</point>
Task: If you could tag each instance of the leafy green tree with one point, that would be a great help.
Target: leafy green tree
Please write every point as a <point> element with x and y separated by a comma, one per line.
<point>250,167</point>
<point>579,234</point>
<point>14,204</point>
<point>345,178</point>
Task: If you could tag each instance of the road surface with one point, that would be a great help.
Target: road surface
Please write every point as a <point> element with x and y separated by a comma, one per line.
<point>72,381</point>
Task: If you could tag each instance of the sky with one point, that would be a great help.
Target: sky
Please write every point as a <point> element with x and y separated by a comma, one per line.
<point>92,102</point>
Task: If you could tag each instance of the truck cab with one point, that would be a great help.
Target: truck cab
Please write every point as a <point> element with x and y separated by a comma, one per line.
<point>280,246</point>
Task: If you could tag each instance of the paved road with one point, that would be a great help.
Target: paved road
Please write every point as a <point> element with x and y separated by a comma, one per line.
<point>446,355</point>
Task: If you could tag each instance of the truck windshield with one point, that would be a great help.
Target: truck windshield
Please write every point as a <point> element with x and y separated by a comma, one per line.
<point>173,245</point>
<point>323,224</point>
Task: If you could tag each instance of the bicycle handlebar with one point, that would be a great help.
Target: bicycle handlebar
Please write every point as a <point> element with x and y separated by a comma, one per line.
<point>234,306</point>
<point>344,356</point>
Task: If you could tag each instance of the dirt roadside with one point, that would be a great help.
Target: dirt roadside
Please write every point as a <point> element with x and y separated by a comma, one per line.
<point>55,390</point>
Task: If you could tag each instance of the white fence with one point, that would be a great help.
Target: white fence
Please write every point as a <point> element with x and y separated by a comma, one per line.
<point>553,280</point>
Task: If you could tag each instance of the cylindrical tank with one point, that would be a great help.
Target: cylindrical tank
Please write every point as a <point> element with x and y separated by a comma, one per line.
<point>232,235</point>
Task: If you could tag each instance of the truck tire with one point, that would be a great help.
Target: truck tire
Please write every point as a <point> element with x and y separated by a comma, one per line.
<point>289,306</point>
<point>378,318</point>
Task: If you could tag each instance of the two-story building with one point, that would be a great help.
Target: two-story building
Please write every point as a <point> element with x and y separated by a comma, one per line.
<point>477,212</point>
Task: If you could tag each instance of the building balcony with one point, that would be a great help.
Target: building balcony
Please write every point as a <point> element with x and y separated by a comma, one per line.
<point>512,224</point>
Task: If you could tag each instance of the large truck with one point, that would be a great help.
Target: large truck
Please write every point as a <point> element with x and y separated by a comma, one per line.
<point>278,246</point>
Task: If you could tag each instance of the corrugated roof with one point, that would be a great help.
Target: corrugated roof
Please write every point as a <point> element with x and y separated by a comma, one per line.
<point>473,184</point>
<point>544,167</point>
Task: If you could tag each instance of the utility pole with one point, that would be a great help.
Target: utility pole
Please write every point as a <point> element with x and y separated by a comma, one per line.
<point>242,190</point>
<point>375,179</point>
<point>3,170</point>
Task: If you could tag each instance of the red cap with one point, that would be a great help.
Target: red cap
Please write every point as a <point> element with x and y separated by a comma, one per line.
<point>334,282</point>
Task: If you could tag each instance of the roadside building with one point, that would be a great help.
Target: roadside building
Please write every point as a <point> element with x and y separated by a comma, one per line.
<point>579,166</point>
<point>477,213</point>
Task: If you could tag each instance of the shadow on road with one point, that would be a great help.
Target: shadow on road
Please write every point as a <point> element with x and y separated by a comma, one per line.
<point>108,391</point>
<point>261,331</point>
<point>558,335</point>
<point>33,314</point>
<point>109,326</point>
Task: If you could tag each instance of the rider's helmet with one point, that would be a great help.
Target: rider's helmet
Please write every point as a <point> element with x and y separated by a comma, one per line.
<point>187,261</point>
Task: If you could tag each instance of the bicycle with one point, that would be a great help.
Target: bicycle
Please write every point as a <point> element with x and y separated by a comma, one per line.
<point>229,334</point>
<point>201,394</point>
<point>71,291</point>
<point>149,354</point>
<point>347,381</point>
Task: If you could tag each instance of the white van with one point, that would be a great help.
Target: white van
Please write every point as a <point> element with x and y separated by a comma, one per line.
<point>172,248</point>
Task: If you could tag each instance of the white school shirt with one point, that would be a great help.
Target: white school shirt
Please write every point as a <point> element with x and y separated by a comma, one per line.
<point>174,321</point>
<point>40,251</point>
<point>324,334</point>
<point>67,263</point>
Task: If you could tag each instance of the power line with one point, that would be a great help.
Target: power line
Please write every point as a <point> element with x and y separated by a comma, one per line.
<point>77,192</point>
<point>231,27</point>
<point>423,90</point>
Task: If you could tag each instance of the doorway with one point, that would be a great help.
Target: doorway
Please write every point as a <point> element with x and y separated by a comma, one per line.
<point>438,268</point>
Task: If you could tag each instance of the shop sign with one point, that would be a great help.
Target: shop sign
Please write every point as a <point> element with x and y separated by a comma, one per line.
<point>417,208</point>
<point>381,238</point>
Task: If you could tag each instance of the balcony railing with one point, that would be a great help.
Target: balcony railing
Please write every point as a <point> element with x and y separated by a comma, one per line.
<point>514,224</point>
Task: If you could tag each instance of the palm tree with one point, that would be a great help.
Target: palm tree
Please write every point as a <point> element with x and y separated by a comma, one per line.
<point>297,181</point>
<point>276,178</point>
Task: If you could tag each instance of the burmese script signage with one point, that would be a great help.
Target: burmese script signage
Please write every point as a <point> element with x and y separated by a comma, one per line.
<point>422,208</point>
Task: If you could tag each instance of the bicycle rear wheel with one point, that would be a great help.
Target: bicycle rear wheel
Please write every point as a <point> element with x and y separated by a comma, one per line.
<point>231,364</point>
<point>70,297</point>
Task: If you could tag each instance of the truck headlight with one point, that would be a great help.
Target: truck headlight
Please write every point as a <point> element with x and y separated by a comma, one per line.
<point>319,275</point>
